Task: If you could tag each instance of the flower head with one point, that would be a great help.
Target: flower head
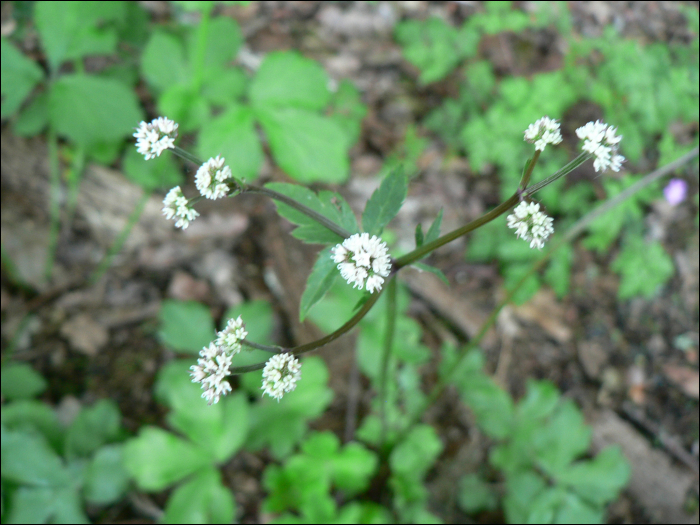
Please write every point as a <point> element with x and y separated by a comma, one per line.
<point>175,205</point>
<point>531,224</point>
<point>363,261</point>
<point>280,375</point>
<point>600,140</point>
<point>676,191</point>
<point>544,131</point>
<point>211,370</point>
<point>211,178</point>
<point>229,339</point>
<point>154,138</point>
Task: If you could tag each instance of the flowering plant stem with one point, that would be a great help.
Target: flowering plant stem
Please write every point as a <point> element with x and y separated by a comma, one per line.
<point>386,355</point>
<point>301,349</point>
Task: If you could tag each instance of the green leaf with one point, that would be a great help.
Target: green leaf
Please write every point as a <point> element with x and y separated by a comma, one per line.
<point>287,79</point>
<point>415,455</point>
<point>20,381</point>
<point>222,87</point>
<point>348,110</point>
<point>46,505</point>
<point>28,459</point>
<point>90,109</point>
<point>93,427</point>
<point>202,499</point>
<point>434,230</point>
<point>157,459</point>
<point>385,202</point>
<point>19,76</point>
<point>232,135</point>
<point>219,429</point>
<point>106,479</point>
<point>308,147</point>
<point>71,30</point>
<point>521,490</point>
<point>223,40</point>
<point>353,468</point>
<point>186,106</point>
<point>186,326</point>
<point>321,278</point>
<point>564,438</point>
<point>33,118</point>
<point>330,205</point>
<point>540,400</point>
<point>157,173</point>
<point>600,480</point>
<point>419,235</point>
<point>435,271</point>
<point>474,495</point>
<point>281,425</point>
<point>163,62</point>
<point>492,406</point>
<point>32,416</point>
<point>644,268</point>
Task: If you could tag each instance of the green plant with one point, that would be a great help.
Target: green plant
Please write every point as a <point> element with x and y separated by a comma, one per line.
<point>644,88</point>
<point>50,472</point>
<point>541,441</point>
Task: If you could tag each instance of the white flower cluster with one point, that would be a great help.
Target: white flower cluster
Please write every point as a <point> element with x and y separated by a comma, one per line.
<point>175,205</point>
<point>280,375</point>
<point>544,131</point>
<point>363,261</point>
<point>211,178</point>
<point>531,224</point>
<point>600,140</point>
<point>230,337</point>
<point>211,370</point>
<point>154,138</point>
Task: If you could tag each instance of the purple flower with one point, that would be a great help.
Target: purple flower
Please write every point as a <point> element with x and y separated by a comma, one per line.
<point>675,191</point>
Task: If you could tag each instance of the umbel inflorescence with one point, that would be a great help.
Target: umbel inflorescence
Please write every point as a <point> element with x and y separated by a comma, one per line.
<point>363,261</point>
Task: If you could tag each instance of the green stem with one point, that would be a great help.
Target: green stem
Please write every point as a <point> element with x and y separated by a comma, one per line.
<point>301,349</point>
<point>54,201</point>
<point>388,344</point>
<point>571,166</point>
<point>265,348</point>
<point>118,243</point>
<point>421,252</point>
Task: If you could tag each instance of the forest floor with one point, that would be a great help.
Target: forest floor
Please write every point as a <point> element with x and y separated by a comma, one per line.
<point>619,361</point>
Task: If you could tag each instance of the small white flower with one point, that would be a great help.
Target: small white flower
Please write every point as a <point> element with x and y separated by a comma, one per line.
<point>154,138</point>
<point>280,375</point>
<point>363,261</point>
<point>601,140</point>
<point>229,339</point>
<point>531,224</point>
<point>211,178</point>
<point>175,205</point>
<point>544,131</point>
<point>211,370</point>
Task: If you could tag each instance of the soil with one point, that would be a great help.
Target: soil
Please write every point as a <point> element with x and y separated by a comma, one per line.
<point>631,365</point>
